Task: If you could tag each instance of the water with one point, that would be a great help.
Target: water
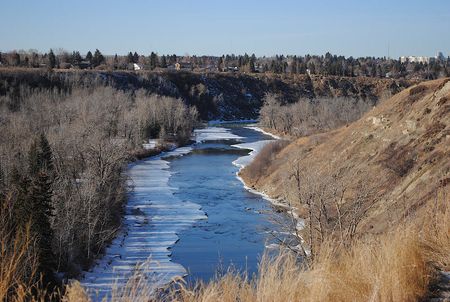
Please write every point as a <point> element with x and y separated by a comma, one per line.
<point>236,230</point>
<point>188,214</point>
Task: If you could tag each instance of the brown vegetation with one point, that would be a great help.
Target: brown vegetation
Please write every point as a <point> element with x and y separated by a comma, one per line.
<point>93,132</point>
<point>306,116</point>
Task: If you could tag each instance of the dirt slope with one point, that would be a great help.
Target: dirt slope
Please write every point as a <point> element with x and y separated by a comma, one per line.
<point>401,149</point>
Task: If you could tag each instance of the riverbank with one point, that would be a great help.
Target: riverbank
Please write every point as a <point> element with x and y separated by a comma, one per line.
<point>297,223</point>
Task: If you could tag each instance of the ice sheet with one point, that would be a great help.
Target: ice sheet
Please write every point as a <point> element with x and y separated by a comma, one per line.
<point>153,218</point>
<point>214,134</point>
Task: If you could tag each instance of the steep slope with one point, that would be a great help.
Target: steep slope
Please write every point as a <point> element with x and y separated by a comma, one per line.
<point>399,153</point>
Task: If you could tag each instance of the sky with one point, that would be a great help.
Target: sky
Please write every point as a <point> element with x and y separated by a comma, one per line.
<point>212,27</point>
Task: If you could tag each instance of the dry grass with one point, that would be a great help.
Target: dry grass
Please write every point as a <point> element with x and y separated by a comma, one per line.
<point>18,267</point>
<point>390,268</point>
<point>399,265</point>
<point>396,266</point>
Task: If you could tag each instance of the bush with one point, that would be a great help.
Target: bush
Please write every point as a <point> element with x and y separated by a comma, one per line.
<point>263,160</point>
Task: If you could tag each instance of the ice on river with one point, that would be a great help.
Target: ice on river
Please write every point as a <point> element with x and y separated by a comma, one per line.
<point>153,218</point>
<point>255,147</point>
<point>214,134</point>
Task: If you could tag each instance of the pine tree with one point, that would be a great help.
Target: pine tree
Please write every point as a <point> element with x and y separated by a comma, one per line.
<point>163,63</point>
<point>220,65</point>
<point>16,59</point>
<point>135,57</point>
<point>35,203</point>
<point>22,207</point>
<point>76,57</point>
<point>40,195</point>
<point>46,156</point>
<point>89,57</point>
<point>51,59</point>
<point>153,60</point>
<point>98,58</point>
<point>130,58</point>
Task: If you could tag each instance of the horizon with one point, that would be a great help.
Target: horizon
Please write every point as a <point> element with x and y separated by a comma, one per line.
<point>207,29</point>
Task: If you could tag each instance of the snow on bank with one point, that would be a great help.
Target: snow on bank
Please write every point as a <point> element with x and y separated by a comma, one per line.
<point>152,143</point>
<point>264,132</point>
<point>214,134</point>
<point>153,218</point>
<point>256,147</point>
<point>243,161</point>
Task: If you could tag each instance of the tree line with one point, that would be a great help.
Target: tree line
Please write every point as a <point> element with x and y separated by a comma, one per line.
<point>327,64</point>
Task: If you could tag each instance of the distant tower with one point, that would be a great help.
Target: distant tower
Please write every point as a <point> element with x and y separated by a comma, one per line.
<point>389,50</point>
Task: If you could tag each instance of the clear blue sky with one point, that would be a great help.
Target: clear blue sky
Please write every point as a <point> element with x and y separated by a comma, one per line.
<point>213,27</point>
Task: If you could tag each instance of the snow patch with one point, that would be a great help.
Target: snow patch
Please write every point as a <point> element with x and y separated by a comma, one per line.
<point>256,147</point>
<point>152,143</point>
<point>264,132</point>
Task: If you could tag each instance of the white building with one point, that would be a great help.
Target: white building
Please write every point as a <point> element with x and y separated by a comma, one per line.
<point>416,59</point>
<point>136,66</point>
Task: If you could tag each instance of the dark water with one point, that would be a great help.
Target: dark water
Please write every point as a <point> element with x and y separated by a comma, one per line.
<point>235,232</point>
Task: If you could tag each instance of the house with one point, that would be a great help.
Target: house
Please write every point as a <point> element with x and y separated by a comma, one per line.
<point>232,68</point>
<point>136,66</point>
<point>83,64</point>
<point>416,59</point>
<point>183,66</point>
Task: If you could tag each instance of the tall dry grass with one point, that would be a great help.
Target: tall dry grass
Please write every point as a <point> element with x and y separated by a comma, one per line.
<point>392,267</point>
<point>19,280</point>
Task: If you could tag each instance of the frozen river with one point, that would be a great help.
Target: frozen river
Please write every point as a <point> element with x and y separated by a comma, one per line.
<point>189,215</point>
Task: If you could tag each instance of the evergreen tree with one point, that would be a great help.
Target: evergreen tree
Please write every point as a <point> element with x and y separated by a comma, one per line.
<point>76,57</point>
<point>40,195</point>
<point>98,58</point>
<point>46,156</point>
<point>35,203</point>
<point>40,156</point>
<point>135,57</point>
<point>163,63</point>
<point>51,59</point>
<point>16,59</point>
<point>89,57</point>
<point>116,61</point>
<point>153,60</point>
<point>130,58</point>
<point>22,207</point>
<point>294,69</point>
<point>220,65</point>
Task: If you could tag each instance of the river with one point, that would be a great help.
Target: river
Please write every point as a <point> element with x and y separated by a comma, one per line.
<point>189,215</point>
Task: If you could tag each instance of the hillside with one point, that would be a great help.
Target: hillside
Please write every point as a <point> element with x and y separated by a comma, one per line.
<point>396,155</point>
<point>226,96</point>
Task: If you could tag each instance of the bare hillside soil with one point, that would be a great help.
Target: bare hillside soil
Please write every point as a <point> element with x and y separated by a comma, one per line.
<point>399,151</point>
